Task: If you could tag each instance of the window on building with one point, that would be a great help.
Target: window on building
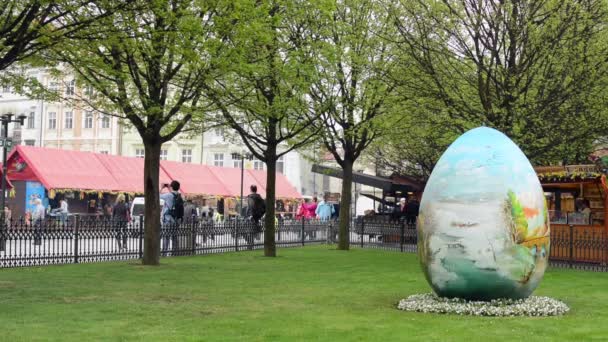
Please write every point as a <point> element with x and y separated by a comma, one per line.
<point>258,165</point>
<point>31,120</point>
<point>139,153</point>
<point>88,119</point>
<point>187,155</point>
<point>6,88</point>
<point>105,121</point>
<point>69,118</point>
<point>103,152</point>
<point>281,164</point>
<point>88,90</point>
<point>54,87</point>
<point>218,159</point>
<point>69,87</point>
<point>164,154</point>
<point>52,120</point>
<point>30,142</point>
<point>219,132</point>
<point>236,163</point>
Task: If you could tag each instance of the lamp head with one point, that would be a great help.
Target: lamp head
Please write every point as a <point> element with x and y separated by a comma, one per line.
<point>21,119</point>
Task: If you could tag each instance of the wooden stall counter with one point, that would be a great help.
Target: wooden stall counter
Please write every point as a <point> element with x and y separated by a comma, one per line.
<point>579,243</point>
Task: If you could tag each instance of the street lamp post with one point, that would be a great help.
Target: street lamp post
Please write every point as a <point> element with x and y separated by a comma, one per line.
<point>6,143</point>
<point>242,157</point>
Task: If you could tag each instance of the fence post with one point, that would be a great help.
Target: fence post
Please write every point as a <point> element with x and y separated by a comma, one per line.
<point>141,237</point>
<point>362,231</point>
<point>76,236</point>
<point>571,254</point>
<point>236,234</point>
<point>402,234</point>
<point>302,231</point>
<point>193,237</point>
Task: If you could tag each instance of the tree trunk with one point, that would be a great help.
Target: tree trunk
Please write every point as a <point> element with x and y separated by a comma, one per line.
<point>270,249</point>
<point>345,199</point>
<point>152,206</point>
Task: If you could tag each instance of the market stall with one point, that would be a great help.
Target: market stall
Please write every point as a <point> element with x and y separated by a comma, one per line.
<point>577,203</point>
<point>89,181</point>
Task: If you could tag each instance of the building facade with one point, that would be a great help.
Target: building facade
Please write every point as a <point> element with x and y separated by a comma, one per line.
<point>65,124</point>
<point>71,125</point>
<point>215,147</point>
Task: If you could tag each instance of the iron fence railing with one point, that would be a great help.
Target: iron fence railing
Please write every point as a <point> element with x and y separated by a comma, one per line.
<point>91,239</point>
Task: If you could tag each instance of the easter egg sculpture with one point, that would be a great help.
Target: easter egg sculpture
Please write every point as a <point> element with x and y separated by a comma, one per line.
<point>483,231</point>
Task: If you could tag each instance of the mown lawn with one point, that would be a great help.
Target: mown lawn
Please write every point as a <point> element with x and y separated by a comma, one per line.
<point>307,294</point>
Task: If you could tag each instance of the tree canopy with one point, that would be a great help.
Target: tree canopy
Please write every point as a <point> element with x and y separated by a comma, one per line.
<point>262,94</point>
<point>353,92</point>
<point>535,70</point>
<point>150,66</point>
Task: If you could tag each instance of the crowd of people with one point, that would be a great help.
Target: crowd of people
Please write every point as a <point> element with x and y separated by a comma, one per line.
<point>407,210</point>
<point>311,209</point>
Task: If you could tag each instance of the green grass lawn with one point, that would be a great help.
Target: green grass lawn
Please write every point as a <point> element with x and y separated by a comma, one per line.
<point>312,293</point>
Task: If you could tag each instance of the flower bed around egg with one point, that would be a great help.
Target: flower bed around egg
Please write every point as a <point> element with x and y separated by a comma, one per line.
<point>531,306</point>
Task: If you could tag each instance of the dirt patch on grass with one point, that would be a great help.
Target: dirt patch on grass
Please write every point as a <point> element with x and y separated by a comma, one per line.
<point>7,285</point>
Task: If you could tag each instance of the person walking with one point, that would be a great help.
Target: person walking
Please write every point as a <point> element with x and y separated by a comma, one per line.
<point>256,208</point>
<point>310,212</point>
<point>324,210</point>
<point>120,217</point>
<point>63,211</point>
<point>37,220</point>
<point>172,215</point>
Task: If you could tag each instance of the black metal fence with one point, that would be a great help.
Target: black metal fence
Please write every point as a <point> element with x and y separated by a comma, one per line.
<point>574,247</point>
<point>90,239</point>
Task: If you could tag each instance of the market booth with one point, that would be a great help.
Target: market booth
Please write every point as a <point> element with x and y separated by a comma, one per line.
<point>88,180</point>
<point>43,173</point>
<point>577,233</point>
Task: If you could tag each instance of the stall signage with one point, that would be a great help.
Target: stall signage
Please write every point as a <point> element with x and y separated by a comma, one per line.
<point>6,142</point>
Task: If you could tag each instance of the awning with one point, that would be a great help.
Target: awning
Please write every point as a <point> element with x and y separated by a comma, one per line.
<point>195,179</point>
<point>128,172</point>
<point>231,179</point>
<point>378,199</point>
<point>86,171</point>
<point>284,189</point>
<point>60,169</point>
<point>378,182</point>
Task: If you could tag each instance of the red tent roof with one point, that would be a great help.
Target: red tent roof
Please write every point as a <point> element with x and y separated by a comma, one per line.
<point>284,189</point>
<point>231,177</point>
<point>195,178</point>
<point>64,169</point>
<point>128,172</point>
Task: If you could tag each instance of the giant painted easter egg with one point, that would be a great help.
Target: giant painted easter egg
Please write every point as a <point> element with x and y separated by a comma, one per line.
<point>483,228</point>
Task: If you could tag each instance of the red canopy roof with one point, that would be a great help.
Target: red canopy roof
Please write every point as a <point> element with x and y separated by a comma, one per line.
<point>195,179</point>
<point>128,172</point>
<point>231,177</point>
<point>284,189</point>
<point>64,169</point>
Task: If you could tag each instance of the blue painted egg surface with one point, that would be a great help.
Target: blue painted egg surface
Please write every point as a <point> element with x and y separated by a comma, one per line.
<point>483,227</point>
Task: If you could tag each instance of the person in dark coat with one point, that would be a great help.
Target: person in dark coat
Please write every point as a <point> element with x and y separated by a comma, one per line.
<point>400,210</point>
<point>120,217</point>
<point>413,206</point>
